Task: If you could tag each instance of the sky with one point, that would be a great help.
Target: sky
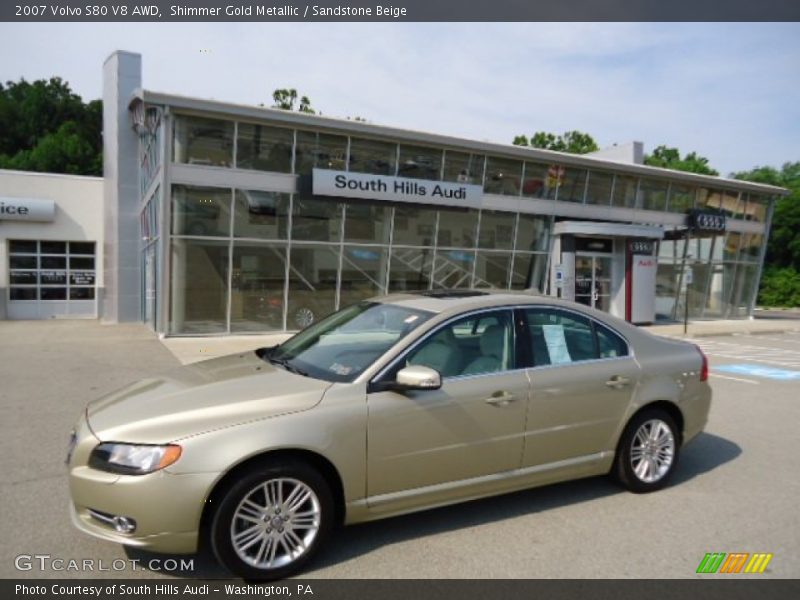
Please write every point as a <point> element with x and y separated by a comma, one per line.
<point>729,91</point>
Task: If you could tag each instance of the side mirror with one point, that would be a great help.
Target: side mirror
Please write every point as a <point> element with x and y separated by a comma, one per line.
<point>418,377</point>
<point>266,351</point>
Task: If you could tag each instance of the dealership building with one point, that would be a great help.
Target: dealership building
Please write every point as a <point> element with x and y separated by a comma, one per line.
<point>218,218</point>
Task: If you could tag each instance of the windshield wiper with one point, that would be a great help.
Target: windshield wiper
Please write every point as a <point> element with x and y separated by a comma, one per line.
<point>284,362</point>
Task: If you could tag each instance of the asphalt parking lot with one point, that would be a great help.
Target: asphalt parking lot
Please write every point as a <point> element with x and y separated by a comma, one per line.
<point>736,488</point>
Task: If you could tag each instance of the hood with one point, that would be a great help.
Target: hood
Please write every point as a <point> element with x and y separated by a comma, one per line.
<point>201,397</point>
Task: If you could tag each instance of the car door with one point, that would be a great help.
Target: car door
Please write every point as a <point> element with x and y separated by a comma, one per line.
<point>472,426</point>
<point>581,385</point>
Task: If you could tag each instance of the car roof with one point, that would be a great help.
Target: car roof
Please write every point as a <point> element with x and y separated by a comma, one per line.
<point>446,301</point>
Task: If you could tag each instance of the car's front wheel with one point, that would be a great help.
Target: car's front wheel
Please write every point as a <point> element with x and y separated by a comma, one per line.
<point>647,452</point>
<point>272,521</point>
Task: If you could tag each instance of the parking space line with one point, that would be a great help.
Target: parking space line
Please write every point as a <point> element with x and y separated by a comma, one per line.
<point>782,357</point>
<point>775,339</point>
<point>734,378</point>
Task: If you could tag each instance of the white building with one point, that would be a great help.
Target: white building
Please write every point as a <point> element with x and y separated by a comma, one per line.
<point>51,245</point>
<point>218,218</point>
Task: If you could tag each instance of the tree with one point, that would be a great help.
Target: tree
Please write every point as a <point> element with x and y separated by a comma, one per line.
<point>286,100</point>
<point>520,140</point>
<point>783,249</point>
<point>670,158</point>
<point>44,126</point>
<point>574,142</point>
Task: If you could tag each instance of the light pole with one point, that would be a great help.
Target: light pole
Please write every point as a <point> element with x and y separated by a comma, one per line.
<point>688,276</point>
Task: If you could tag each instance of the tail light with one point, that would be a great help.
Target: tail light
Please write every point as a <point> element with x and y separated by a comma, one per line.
<point>704,367</point>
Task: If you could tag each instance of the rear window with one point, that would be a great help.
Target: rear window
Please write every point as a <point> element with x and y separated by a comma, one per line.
<point>560,337</point>
<point>609,343</point>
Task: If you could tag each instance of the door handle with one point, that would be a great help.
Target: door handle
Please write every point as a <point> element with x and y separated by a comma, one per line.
<point>500,399</point>
<point>618,381</point>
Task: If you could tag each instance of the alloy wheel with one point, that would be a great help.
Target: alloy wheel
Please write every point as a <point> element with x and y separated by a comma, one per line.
<point>652,451</point>
<point>275,523</point>
<point>304,317</point>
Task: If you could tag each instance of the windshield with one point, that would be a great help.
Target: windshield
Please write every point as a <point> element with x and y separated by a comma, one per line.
<point>341,346</point>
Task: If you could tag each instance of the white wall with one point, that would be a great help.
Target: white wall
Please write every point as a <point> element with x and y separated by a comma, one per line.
<point>78,217</point>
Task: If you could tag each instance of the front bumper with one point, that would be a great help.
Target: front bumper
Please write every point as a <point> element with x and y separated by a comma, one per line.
<point>166,507</point>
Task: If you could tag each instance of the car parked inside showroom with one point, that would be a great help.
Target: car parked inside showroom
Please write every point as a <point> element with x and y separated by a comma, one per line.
<point>392,405</point>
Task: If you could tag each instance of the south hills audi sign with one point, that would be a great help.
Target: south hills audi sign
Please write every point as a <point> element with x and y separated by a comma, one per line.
<point>398,189</point>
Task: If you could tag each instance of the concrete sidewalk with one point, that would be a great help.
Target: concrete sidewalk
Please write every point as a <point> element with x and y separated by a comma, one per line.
<point>193,349</point>
<point>728,327</point>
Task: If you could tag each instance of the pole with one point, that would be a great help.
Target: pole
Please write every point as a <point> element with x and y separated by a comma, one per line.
<point>686,310</point>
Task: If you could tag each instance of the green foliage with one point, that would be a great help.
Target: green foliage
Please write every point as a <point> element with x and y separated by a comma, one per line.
<point>780,287</point>
<point>44,126</point>
<point>670,158</point>
<point>285,99</point>
<point>574,142</point>
<point>520,140</point>
<point>783,248</point>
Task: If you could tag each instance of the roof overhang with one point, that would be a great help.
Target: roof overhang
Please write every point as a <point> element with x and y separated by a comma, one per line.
<point>594,229</point>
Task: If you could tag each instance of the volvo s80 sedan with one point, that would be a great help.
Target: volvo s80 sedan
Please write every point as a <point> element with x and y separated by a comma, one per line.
<point>393,405</point>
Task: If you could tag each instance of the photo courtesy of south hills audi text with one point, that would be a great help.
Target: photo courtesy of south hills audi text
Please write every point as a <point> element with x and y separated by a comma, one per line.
<point>159,589</point>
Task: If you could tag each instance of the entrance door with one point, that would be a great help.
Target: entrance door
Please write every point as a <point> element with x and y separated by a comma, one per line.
<point>593,280</point>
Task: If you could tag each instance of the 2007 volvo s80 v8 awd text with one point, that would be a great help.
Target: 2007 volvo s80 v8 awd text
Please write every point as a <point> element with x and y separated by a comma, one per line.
<point>392,405</point>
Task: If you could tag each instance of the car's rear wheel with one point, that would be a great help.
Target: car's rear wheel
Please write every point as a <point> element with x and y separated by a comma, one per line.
<point>647,452</point>
<point>272,521</point>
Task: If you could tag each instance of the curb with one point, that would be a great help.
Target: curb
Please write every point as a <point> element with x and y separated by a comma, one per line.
<point>692,334</point>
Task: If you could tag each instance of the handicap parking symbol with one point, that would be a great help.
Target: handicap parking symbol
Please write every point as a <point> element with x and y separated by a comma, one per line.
<point>760,371</point>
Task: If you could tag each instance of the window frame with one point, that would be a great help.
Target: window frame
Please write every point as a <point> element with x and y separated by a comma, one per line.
<point>524,334</point>
<point>389,372</point>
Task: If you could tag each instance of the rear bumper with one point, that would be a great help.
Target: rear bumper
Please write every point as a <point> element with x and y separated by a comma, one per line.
<point>695,412</point>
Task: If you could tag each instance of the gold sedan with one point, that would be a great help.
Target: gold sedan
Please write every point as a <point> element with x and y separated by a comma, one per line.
<point>393,405</point>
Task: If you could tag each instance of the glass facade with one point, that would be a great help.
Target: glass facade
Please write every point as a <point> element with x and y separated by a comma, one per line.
<point>258,260</point>
<point>598,189</point>
<point>264,148</point>
<point>202,141</point>
<point>714,274</point>
<point>503,176</point>
<point>461,167</point>
<point>419,162</point>
<point>250,270</point>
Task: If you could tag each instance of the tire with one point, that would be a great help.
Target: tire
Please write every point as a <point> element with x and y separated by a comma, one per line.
<point>304,317</point>
<point>271,544</point>
<point>648,452</point>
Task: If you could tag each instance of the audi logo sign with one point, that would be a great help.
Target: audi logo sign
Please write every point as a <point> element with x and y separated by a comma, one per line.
<point>703,220</point>
<point>641,247</point>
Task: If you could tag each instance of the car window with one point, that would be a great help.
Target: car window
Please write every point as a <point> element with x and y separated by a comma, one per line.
<point>342,345</point>
<point>559,337</point>
<point>470,346</point>
<point>609,343</point>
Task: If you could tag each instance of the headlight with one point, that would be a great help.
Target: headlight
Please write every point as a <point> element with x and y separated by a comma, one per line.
<point>133,459</point>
